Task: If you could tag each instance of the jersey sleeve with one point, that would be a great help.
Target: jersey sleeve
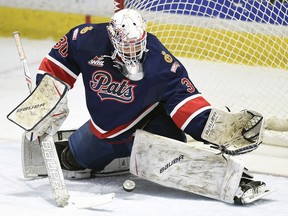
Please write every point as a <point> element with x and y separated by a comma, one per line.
<point>60,61</point>
<point>185,104</point>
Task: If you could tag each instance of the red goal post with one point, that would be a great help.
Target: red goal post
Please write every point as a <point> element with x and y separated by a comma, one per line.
<point>236,52</point>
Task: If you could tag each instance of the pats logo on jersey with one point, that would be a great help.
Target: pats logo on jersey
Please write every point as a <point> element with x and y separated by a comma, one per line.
<point>97,61</point>
<point>103,84</point>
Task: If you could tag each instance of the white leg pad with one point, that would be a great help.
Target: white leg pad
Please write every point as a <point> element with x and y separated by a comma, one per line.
<point>33,164</point>
<point>183,166</point>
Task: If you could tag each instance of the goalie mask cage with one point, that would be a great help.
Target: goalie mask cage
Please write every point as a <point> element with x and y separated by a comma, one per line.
<point>235,51</point>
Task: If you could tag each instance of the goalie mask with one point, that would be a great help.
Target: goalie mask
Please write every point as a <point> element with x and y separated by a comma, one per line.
<point>127,32</point>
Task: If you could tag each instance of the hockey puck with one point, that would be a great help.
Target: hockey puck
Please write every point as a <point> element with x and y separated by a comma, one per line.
<point>129,185</point>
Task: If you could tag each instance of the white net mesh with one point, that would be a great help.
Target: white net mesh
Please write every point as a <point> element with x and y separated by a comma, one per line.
<point>236,52</point>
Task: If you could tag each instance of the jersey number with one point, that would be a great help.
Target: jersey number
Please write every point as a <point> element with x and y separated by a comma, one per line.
<point>62,47</point>
<point>188,84</point>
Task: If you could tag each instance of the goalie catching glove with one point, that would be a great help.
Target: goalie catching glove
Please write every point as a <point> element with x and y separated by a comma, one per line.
<point>236,133</point>
<point>44,110</point>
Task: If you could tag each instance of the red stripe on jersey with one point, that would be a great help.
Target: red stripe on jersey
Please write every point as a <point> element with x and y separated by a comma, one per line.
<point>53,69</point>
<point>122,128</point>
<point>108,133</point>
<point>188,109</point>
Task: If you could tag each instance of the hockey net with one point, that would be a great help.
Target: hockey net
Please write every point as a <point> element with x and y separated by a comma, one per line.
<point>236,52</point>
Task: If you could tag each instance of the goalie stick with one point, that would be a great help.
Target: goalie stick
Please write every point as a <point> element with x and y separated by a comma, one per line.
<point>22,57</point>
<point>52,163</point>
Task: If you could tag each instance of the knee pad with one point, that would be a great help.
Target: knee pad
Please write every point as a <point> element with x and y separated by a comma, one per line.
<point>68,160</point>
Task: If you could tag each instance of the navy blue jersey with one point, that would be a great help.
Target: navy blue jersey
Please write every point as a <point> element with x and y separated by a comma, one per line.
<point>115,103</point>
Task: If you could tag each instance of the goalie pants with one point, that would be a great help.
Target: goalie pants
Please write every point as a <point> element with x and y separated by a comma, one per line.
<point>94,153</point>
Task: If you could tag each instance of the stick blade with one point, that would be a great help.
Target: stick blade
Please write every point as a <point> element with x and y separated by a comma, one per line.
<point>91,201</point>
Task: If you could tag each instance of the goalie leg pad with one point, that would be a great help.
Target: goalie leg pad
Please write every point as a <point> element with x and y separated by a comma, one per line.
<point>33,164</point>
<point>119,166</point>
<point>186,167</point>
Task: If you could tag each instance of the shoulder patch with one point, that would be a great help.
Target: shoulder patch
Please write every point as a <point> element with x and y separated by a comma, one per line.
<point>75,34</point>
<point>174,67</point>
<point>86,29</point>
<point>167,57</point>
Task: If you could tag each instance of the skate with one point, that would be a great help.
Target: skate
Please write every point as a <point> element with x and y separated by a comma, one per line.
<point>250,191</point>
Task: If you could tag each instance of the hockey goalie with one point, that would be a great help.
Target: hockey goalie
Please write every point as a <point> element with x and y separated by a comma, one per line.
<point>142,105</point>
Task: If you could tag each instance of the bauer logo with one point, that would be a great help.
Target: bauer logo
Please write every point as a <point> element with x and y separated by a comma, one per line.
<point>31,107</point>
<point>51,165</point>
<point>173,162</point>
<point>211,123</point>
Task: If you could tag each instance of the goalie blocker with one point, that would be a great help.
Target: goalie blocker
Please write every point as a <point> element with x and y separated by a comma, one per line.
<point>44,110</point>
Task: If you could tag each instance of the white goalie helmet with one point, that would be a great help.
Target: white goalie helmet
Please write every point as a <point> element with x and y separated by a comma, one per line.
<point>127,32</point>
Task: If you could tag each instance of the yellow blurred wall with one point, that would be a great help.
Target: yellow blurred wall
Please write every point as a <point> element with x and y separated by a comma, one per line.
<point>36,24</point>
